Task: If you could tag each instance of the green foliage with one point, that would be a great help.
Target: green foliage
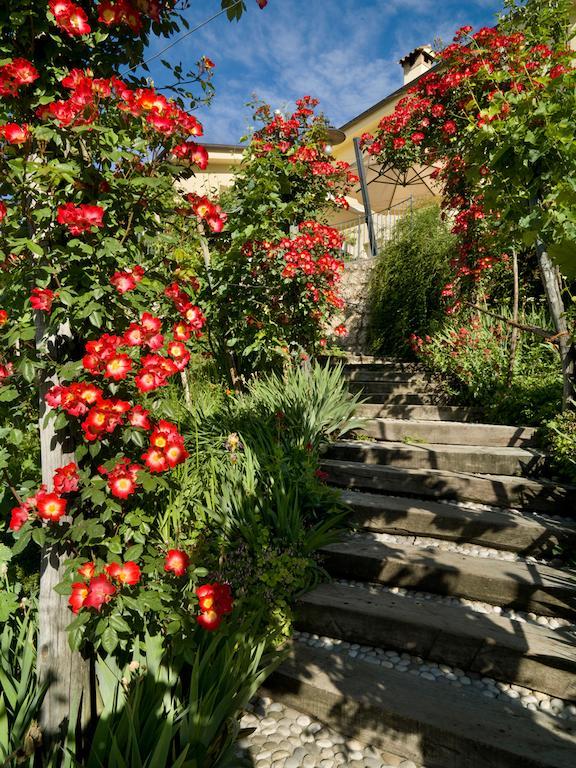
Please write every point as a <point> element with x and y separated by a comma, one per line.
<point>20,694</point>
<point>473,352</point>
<point>249,500</point>
<point>407,280</point>
<point>559,439</point>
<point>178,711</point>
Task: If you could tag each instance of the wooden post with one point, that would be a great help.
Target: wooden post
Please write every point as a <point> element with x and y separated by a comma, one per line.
<point>514,329</point>
<point>66,671</point>
<point>551,281</point>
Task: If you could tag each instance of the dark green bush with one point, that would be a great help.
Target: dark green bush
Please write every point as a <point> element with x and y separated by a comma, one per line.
<point>407,281</point>
<point>559,438</point>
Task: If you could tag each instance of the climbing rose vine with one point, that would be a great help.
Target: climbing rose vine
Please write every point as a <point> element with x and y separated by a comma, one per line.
<point>495,119</point>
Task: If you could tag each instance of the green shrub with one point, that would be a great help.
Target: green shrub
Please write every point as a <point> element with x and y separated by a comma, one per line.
<point>407,281</point>
<point>472,350</point>
<point>559,438</point>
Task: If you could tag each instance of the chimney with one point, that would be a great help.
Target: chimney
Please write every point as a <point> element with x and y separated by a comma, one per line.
<point>417,62</point>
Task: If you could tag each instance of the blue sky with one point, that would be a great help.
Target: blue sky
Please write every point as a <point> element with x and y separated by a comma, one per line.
<point>344,52</point>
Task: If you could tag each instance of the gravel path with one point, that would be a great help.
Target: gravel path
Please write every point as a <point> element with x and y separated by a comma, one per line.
<point>285,738</point>
<point>445,674</point>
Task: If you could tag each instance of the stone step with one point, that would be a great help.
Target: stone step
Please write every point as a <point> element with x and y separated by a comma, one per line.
<point>416,379</point>
<point>518,585</point>
<point>399,387</point>
<point>449,433</point>
<point>403,398</point>
<point>496,528</point>
<point>419,412</point>
<point>526,654</point>
<point>426,722</point>
<point>367,361</point>
<point>452,458</point>
<point>494,490</point>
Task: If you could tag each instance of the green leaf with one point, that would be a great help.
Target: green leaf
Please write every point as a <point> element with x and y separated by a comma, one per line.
<point>7,394</point>
<point>564,254</point>
<point>109,639</point>
<point>134,552</point>
<point>119,624</point>
<point>27,369</point>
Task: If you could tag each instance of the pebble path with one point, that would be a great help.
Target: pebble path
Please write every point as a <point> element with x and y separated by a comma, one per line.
<point>285,738</point>
<point>445,674</point>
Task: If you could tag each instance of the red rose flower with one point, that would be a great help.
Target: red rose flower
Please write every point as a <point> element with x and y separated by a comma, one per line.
<point>209,620</point>
<point>118,367</point>
<point>50,506</point>
<point>3,210</point>
<point>18,516</point>
<point>139,417</point>
<point>176,562</point>
<point>155,460</point>
<point>3,317</point>
<point>100,592</point>
<point>80,218</point>
<point>78,596</point>
<point>70,17</point>
<point>21,71</point>
<point>41,299</point>
<point>14,133</point>
<point>126,573</point>
<point>87,570</point>
<point>66,479</point>
<point>217,597</point>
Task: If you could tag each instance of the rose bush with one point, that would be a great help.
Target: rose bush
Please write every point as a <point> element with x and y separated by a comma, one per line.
<point>274,275</point>
<point>94,327</point>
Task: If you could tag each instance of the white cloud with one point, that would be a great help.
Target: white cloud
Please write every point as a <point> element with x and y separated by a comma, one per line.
<point>344,52</point>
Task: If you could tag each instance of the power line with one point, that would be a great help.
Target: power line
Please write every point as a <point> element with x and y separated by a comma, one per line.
<point>187,34</point>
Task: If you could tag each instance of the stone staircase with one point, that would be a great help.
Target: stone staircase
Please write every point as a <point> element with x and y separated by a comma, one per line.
<point>448,634</point>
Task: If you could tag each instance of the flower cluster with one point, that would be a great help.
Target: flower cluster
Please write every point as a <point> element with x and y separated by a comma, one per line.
<point>207,211</point>
<point>127,280</point>
<point>215,601</point>
<point>106,356</point>
<point>484,79</point>
<point>122,478</point>
<point>166,449</point>
<point>194,153</point>
<point>80,218</point>
<point>15,74</point>
<point>70,17</point>
<point>88,93</point>
<point>100,588</point>
<point>47,506</point>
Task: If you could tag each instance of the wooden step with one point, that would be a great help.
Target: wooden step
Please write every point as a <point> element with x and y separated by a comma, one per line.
<point>429,723</point>
<point>451,458</point>
<point>525,654</point>
<point>399,387</point>
<point>518,585</point>
<point>416,379</point>
<point>419,412</point>
<point>496,528</point>
<point>449,433</point>
<point>495,490</point>
<point>403,398</point>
